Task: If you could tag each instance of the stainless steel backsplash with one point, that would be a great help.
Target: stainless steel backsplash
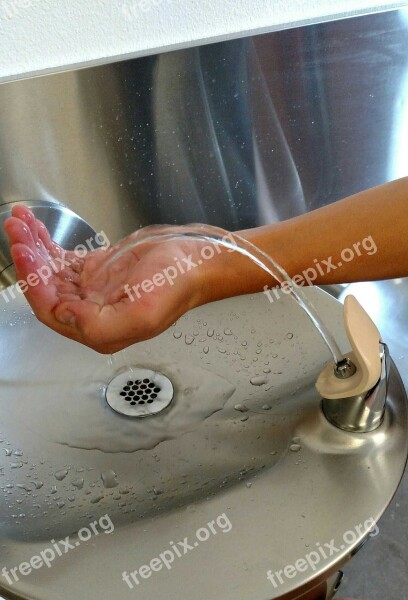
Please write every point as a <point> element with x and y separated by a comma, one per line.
<point>236,134</point>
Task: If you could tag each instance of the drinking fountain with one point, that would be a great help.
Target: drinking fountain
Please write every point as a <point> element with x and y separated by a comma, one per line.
<point>233,430</point>
<point>236,415</point>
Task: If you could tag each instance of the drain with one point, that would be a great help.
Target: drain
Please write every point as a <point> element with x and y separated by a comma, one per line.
<point>139,393</point>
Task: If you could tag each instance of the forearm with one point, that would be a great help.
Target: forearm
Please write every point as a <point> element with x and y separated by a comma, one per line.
<point>363,237</point>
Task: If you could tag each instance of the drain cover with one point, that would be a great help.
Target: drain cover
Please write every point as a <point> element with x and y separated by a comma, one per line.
<point>139,393</point>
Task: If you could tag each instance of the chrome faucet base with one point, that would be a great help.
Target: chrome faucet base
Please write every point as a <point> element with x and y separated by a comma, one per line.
<point>365,412</point>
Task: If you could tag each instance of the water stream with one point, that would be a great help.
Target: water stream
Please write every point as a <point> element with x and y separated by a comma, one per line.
<point>231,241</point>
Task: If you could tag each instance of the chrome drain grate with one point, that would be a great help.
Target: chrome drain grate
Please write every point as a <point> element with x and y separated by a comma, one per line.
<point>139,392</point>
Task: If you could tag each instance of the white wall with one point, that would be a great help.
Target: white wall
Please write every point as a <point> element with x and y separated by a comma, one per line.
<point>37,36</point>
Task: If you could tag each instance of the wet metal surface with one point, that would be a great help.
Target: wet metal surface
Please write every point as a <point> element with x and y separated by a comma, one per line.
<point>234,134</point>
<point>244,436</point>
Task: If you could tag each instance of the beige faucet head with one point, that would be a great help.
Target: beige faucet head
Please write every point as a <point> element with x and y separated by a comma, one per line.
<point>364,339</point>
<point>357,402</point>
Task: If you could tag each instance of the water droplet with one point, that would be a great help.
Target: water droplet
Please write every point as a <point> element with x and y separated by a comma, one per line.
<point>24,487</point>
<point>241,408</point>
<point>18,453</point>
<point>249,484</point>
<point>37,484</point>
<point>227,332</point>
<point>78,483</point>
<point>16,465</point>
<point>54,489</point>
<point>266,407</point>
<point>206,349</point>
<point>289,336</point>
<point>260,380</point>
<point>245,418</point>
<point>210,332</point>
<point>189,339</point>
<point>60,475</point>
<point>96,499</point>
<point>295,447</point>
<point>60,504</point>
<point>7,451</point>
<point>109,479</point>
<point>177,335</point>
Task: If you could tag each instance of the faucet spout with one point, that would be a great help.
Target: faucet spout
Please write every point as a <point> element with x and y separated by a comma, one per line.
<point>354,393</point>
<point>363,412</point>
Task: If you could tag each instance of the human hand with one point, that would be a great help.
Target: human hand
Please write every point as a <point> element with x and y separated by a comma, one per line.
<point>87,301</point>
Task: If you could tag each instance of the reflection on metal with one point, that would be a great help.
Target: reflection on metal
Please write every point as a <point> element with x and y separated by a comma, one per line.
<point>235,134</point>
<point>398,166</point>
<point>363,413</point>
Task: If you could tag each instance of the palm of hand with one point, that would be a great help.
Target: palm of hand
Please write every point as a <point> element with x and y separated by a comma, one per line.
<point>90,299</point>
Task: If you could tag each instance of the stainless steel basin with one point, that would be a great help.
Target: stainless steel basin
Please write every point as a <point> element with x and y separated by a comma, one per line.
<point>244,436</point>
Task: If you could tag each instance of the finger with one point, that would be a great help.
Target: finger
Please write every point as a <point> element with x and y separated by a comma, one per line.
<point>65,286</point>
<point>77,314</point>
<point>27,216</point>
<point>34,271</point>
<point>43,234</point>
<point>19,232</point>
<point>54,249</point>
<point>39,232</point>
